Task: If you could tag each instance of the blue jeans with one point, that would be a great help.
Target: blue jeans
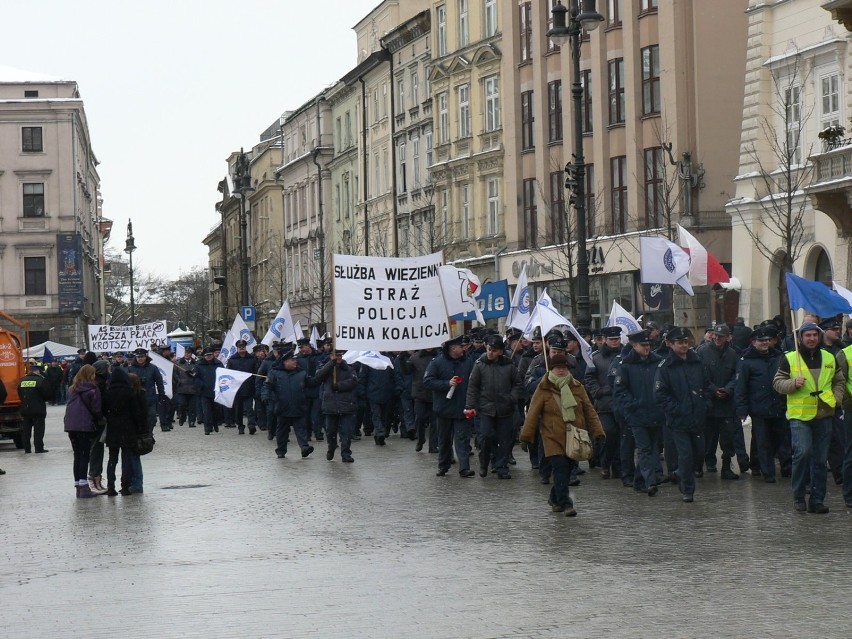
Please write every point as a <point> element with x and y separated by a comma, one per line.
<point>497,438</point>
<point>810,453</point>
<point>772,441</point>
<point>136,465</point>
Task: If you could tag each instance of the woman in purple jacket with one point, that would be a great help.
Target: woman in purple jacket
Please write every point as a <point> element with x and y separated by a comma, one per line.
<point>82,413</point>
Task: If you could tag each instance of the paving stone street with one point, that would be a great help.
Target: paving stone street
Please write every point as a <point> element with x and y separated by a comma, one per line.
<point>228,541</point>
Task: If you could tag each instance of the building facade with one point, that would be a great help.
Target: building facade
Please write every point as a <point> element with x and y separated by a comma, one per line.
<point>52,231</point>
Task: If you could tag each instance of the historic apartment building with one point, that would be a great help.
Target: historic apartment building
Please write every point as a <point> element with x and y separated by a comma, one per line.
<point>651,74</point>
<point>52,232</point>
<point>796,86</point>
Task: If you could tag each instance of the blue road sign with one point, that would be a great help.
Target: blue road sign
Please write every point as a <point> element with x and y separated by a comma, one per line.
<point>247,313</point>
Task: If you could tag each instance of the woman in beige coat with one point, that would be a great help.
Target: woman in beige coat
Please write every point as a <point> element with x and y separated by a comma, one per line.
<point>560,399</point>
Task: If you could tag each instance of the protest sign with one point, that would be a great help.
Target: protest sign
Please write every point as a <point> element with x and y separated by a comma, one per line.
<point>104,338</point>
<point>388,303</point>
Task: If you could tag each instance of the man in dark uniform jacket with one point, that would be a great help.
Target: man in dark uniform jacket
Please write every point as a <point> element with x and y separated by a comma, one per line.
<point>34,391</point>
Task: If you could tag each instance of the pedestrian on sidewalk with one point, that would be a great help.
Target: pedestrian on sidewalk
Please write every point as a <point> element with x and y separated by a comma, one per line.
<point>338,391</point>
<point>35,391</point>
<point>82,413</point>
<point>127,419</point>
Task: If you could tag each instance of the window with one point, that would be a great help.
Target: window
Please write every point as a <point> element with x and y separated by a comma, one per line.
<point>554,110</point>
<point>464,35</point>
<point>34,199</point>
<point>443,119</point>
<point>616,91</point>
<point>525,10</point>
<point>551,45</point>
<point>445,213</point>
<point>465,210</point>
<point>376,175</point>
<point>441,12</point>
<point>493,222</point>
<point>527,119</point>
<point>386,183</point>
<point>400,90</point>
<point>464,111</point>
<point>35,276</point>
<point>792,117</point>
<point>401,187</point>
<point>648,5</point>
<point>557,208</point>
<point>655,194</point>
<point>30,94</point>
<point>492,103</point>
<point>490,18</point>
<point>428,136</point>
<point>384,99</point>
<point>31,139</point>
<point>651,79</point>
<point>589,193</point>
<point>338,204</point>
<point>830,93</point>
<point>618,179</point>
<point>530,213</point>
<point>415,89</point>
<point>614,13</point>
<point>586,81</point>
<point>415,160</point>
<point>346,199</point>
<point>375,105</point>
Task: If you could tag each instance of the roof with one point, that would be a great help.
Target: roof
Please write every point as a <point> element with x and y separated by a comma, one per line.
<point>10,75</point>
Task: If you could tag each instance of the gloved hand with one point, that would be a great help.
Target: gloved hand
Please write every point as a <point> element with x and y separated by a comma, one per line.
<point>469,413</point>
<point>525,446</point>
<point>335,387</point>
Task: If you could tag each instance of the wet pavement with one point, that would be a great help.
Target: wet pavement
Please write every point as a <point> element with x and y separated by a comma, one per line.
<point>229,541</point>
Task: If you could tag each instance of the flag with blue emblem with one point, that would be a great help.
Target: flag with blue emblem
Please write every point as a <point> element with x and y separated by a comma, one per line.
<point>373,359</point>
<point>166,369</point>
<point>619,316</point>
<point>663,262</point>
<point>242,331</point>
<point>228,382</point>
<point>281,328</point>
<point>521,307</point>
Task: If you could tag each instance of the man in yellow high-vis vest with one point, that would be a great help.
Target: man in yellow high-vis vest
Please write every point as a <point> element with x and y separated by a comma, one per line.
<point>813,384</point>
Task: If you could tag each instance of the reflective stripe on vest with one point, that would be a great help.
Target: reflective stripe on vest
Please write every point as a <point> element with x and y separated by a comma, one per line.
<point>802,404</point>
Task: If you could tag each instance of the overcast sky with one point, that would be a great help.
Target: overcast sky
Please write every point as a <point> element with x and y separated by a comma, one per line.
<point>171,88</point>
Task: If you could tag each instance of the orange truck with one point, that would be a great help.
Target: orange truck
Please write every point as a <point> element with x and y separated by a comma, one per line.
<point>12,369</point>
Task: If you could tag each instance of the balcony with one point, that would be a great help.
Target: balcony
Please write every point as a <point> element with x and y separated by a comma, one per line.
<point>831,191</point>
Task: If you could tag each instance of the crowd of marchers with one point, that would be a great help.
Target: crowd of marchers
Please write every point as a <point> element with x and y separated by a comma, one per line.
<point>659,408</point>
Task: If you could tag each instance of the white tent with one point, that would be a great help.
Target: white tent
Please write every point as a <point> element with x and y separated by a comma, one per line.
<point>57,349</point>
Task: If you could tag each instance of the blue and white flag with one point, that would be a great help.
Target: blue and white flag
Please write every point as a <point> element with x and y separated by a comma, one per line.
<point>547,317</point>
<point>242,331</point>
<point>663,262</point>
<point>229,348</point>
<point>815,297</point>
<point>618,316</point>
<point>521,308</point>
<point>373,359</point>
<point>228,382</point>
<point>281,328</point>
<point>166,368</point>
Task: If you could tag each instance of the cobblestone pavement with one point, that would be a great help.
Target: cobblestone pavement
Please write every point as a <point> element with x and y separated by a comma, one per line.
<point>228,541</point>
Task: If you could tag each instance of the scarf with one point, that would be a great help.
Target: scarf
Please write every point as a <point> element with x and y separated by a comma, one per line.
<point>568,401</point>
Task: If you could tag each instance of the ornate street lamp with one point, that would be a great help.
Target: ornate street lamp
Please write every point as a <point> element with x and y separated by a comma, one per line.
<point>578,20</point>
<point>129,247</point>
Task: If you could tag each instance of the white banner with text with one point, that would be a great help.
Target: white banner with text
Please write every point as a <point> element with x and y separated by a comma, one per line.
<point>104,338</point>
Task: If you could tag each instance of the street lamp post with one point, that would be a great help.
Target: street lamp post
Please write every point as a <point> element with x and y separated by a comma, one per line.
<point>588,20</point>
<point>242,189</point>
<point>129,247</point>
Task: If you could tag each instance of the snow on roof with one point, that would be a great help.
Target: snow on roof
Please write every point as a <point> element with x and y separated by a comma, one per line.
<point>9,75</point>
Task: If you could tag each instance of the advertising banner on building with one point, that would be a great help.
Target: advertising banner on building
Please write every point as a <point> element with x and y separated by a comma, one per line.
<point>69,263</point>
<point>388,303</point>
<point>104,338</point>
<point>492,299</point>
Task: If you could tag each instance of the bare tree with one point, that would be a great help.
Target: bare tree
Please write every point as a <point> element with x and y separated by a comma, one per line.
<point>187,301</point>
<point>781,177</point>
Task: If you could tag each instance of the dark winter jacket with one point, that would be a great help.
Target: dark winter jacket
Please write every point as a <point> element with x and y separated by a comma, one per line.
<point>206,373</point>
<point>83,408</point>
<point>34,391</point>
<point>287,388</point>
<point>310,364</point>
<point>126,411</point>
<point>266,365</point>
<point>418,363</point>
<point>682,390</point>
<point>152,380</point>
<point>339,385</point>
<point>721,365</point>
<point>186,383</point>
<point>378,387</point>
<point>402,375</point>
<point>524,363</point>
<point>495,387</point>
<point>741,334</point>
<point>73,369</point>
<point>753,392</point>
<point>54,375</point>
<point>247,363</point>
<point>633,391</point>
<point>596,380</point>
<point>437,379</point>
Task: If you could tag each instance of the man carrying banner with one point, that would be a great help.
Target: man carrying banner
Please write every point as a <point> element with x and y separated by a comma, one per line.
<point>338,384</point>
<point>447,376</point>
<point>152,382</point>
<point>814,386</point>
<point>243,404</point>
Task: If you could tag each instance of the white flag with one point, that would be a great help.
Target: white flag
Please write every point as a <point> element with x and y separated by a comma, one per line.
<point>180,351</point>
<point>314,336</point>
<point>298,331</point>
<point>663,262</point>
<point>618,316</point>
<point>697,257</point>
<point>373,359</point>
<point>281,328</point>
<point>166,368</point>
<point>241,330</point>
<point>229,348</point>
<point>547,317</point>
<point>460,287</point>
<point>845,293</point>
<point>521,308</point>
<point>228,382</point>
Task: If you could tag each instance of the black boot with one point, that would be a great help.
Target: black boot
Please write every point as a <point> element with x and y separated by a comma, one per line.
<point>727,473</point>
